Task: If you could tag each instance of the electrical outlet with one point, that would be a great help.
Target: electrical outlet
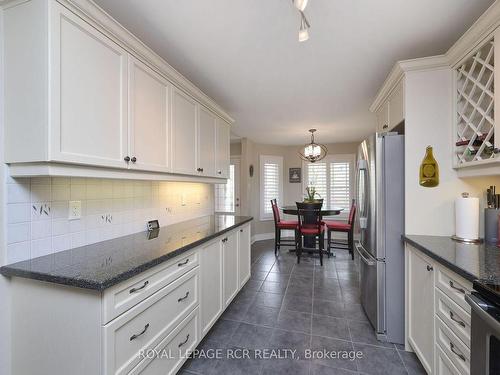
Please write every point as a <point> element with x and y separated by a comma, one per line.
<point>75,210</point>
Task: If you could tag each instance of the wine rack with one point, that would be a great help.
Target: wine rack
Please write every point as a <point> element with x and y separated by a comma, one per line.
<point>475,99</point>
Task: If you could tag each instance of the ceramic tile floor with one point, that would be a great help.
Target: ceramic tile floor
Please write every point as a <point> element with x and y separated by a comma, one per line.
<point>299,307</point>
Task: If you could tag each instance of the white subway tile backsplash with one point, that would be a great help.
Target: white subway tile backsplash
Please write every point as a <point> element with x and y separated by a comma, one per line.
<point>18,232</point>
<point>18,252</point>
<point>18,212</point>
<point>37,211</point>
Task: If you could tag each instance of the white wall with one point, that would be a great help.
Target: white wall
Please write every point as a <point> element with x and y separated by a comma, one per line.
<point>4,282</point>
<point>429,121</point>
<point>37,211</point>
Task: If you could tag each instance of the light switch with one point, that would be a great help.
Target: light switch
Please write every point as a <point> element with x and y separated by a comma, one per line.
<point>75,210</point>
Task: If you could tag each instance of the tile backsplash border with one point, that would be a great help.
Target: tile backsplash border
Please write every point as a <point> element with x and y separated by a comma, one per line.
<point>37,210</point>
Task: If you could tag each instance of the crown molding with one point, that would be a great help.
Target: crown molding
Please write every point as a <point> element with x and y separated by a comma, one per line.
<point>403,67</point>
<point>95,15</point>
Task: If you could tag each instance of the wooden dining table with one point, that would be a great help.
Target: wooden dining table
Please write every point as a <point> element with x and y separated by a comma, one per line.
<point>309,241</point>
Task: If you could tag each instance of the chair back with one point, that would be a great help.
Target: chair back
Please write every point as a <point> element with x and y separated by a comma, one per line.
<point>276,211</point>
<point>309,215</point>
<point>352,213</point>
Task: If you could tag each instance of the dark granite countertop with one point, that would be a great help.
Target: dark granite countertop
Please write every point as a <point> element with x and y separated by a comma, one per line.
<point>101,265</point>
<point>473,262</point>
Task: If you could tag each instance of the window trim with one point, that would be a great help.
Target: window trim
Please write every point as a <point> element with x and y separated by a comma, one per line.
<point>335,158</point>
<point>263,159</point>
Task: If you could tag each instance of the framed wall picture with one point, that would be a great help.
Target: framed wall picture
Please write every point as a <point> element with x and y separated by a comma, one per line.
<point>295,175</point>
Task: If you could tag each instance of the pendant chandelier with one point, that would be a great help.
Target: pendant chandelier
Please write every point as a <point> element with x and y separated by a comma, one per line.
<point>313,152</point>
<point>304,23</point>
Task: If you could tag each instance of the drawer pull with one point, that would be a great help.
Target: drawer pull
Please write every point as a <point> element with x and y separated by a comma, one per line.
<point>133,337</point>
<point>452,317</point>
<point>183,263</point>
<point>430,268</point>
<point>457,353</point>
<point>183,298</point>
<point>185,341</point>
<point>457,289</point>
<point>133,290</point>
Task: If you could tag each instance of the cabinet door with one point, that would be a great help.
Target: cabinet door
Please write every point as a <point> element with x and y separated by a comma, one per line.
<point>421,307</point>
<point>444,366</point>
<point>88,93</point>
<point>230,256</point>
<point>207,123</point>
<point>148,118</point>
<point>184,140</point>
<point>222,161</point>
<point>396,106</point>
<point>383,118</point>
<point>244,254</point>
<point>211,285</point>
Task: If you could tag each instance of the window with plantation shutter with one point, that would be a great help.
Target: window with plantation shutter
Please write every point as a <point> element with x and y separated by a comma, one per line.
<point>271,184</point>
<point>333,179</point>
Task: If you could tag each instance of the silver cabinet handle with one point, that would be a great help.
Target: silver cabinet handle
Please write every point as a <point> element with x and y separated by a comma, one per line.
<point>133,290</point>
<point>361,251</point>
<point>183,298</point>
<point>430,268</point>
<point>133,337</point>
<point>457,289</point>
<point>457,353</point>
<point>459,322</point>
<point>184,342</point>
<point>183,263</point>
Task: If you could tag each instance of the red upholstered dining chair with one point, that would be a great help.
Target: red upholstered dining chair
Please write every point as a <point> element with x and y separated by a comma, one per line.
<point>310,224</point>
<point>340,226</point>
<point>280,225</point>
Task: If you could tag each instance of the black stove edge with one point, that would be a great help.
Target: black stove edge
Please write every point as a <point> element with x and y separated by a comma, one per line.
<point>466,275</point>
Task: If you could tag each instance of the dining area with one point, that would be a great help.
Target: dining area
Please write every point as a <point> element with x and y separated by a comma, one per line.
<point>316,228</point>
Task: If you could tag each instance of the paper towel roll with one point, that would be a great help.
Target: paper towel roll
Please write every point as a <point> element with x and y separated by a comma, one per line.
<point>467,218</point>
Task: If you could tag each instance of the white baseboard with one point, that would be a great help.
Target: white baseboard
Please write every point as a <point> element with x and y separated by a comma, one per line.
<point>262,237</point>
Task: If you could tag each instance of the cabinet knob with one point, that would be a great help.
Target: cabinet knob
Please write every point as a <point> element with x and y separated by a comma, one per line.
<point>219,172</point>
<point>199,169</point>
<point>134,159</point>
<point>430,268</point>
<point>126,158</point>
<point>385,126</point>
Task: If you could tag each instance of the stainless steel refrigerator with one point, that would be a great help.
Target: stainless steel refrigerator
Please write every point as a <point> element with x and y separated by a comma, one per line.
<point>380,199</point>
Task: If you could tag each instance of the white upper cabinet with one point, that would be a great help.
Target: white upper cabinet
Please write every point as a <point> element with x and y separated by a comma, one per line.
<point>184,145</point>
<point>88,92</point>
<point>206,142</point>
<point>77,93</point>
<point>148,118</point>
<point>391,112</point>
<point>222,149</point>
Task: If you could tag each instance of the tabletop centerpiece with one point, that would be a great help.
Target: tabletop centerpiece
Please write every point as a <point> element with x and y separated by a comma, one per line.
<point>310,196</point>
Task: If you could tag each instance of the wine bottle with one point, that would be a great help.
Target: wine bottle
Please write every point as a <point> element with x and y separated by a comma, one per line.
<point>429,170</point>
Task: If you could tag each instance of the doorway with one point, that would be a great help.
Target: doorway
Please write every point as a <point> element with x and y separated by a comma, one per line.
<point>227,196</point>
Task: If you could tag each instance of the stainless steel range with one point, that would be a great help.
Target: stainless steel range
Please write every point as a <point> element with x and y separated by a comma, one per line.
<point>380,192</point>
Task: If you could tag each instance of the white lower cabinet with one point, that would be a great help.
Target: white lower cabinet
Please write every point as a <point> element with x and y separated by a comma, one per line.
<point>230,269</point>
<point>438,318</point>
<point>244,256</point>
<point>421,308</point>
<point>211,284</point>
<point>143,325</point>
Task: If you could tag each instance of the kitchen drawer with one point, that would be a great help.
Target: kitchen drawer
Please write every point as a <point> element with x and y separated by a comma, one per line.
<point>123,296</point>
<point>456,318</point>
<point>444,366</point>
<point>454,287</point>
<point>453,347</point>
<point>146,324</point>
<point>171,353</point>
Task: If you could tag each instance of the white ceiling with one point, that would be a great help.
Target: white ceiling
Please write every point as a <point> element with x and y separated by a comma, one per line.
<point>246,56</point>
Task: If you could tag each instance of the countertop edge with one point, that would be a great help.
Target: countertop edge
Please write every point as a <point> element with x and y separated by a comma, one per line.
<point>100,287</point>
<point>460,271</point>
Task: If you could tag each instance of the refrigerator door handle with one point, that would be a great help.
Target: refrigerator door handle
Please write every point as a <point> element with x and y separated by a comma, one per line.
<point>362,254</point>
